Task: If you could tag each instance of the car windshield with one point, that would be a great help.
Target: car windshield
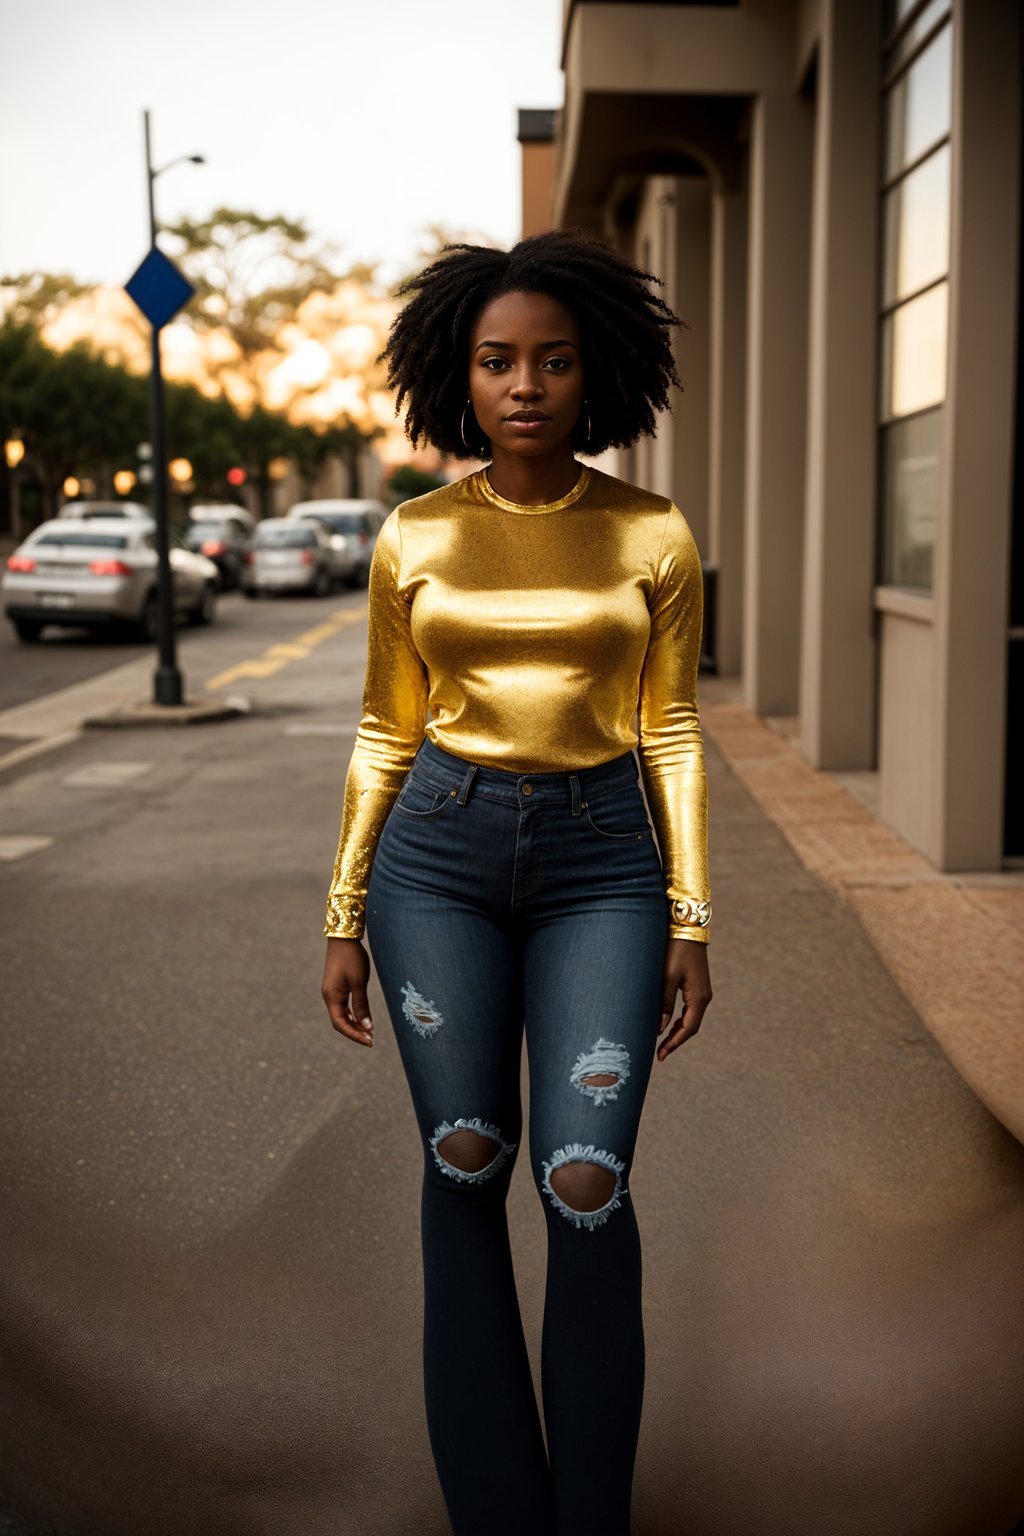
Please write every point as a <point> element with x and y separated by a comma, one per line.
<point>208,530</point>
<point>84,540</point>
<point>291,537</point>
<point>341,522</point>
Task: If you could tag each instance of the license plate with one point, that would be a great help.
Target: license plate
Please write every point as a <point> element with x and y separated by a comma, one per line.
<point>276,557</point>
<point>56,600</point>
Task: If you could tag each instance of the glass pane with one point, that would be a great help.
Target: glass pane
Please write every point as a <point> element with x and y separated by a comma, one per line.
<point>914,354</point>
<point>917,229</point>
<point>920,104</point>
<point>919,27</point>
<point>910,500</point>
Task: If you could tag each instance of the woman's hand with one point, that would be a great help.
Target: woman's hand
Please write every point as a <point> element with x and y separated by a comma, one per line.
<point>346,972</point>
<point>686,971</point>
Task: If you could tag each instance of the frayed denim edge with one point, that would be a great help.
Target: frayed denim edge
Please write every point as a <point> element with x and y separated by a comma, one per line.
<point>576,1153</point>
<point>604,1059</point>
<point>482,1128</point>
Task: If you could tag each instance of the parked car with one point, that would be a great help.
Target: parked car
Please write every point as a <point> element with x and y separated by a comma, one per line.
<point>85,511</point>
<point>222,539</point>
<point>100,571</point>
<point>288,555</point>
<point>353,526</point>
<point>215,511</point>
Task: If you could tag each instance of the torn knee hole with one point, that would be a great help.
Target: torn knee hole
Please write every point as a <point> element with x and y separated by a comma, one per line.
<point>584,1183</point>
<point>470,1150</point>
<point>584,1187</point>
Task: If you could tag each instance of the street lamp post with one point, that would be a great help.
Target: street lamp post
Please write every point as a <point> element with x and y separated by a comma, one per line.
<point>167,682</point>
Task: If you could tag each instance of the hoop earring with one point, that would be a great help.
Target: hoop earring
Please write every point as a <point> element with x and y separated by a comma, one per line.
<point>586,440</point>
<point>466,442</point>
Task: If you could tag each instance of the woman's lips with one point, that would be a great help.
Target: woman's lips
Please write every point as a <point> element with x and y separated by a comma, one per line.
<point>526,423</point>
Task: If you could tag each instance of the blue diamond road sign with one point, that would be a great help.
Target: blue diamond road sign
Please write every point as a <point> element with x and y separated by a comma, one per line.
<point>158,288</point>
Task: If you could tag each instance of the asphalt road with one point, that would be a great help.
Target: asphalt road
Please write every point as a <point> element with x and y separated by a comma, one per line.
<point>63,657</point>
<point>210,1295</point>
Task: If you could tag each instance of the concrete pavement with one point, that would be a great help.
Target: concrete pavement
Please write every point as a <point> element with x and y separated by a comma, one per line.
<point>210,1301</point>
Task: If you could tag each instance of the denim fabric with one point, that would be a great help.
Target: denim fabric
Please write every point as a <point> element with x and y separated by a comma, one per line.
<point>499,900</point>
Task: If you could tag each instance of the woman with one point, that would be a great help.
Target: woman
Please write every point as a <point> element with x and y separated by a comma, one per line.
<point>503,861</point>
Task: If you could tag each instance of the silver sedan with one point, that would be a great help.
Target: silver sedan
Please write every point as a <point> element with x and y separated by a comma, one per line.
<point>288,555</point>
<point>100,572</point>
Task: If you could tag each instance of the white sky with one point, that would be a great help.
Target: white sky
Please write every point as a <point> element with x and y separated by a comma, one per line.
<point>368,120</point>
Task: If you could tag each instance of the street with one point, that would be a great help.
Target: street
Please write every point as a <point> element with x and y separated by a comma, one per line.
<point>211,1288</point>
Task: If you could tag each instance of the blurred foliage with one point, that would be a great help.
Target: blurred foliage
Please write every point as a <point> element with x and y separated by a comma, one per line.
<point>36,296</point>
<point>81,415</point>
<point>408,481</point>
<point>251,274</point>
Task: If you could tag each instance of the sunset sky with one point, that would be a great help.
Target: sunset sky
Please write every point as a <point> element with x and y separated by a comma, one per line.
<point>368,121</point>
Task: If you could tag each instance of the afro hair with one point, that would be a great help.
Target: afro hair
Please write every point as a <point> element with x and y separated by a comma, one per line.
<point>628,364</point>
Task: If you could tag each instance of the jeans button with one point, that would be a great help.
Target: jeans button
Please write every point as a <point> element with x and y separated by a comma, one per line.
<point>527,789</point>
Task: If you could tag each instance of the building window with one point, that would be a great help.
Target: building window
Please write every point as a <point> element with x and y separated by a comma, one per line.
<point>917,115</point>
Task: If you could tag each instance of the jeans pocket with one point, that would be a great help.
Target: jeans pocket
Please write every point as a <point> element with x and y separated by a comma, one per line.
<point>419,798</point>
<point>619,817</point>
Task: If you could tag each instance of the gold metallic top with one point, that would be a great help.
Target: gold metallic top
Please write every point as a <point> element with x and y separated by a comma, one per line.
<point>534,635</point>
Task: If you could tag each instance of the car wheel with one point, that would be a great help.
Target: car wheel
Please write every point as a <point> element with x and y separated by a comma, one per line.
<point>28,630</point>
<point>149,619</point>
<point>322,583</point>
<point>205,610</point>
<point>252,593</point>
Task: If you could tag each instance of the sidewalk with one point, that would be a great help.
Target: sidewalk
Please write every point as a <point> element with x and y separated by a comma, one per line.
<point>211,1297</point>
<point>953,943</point>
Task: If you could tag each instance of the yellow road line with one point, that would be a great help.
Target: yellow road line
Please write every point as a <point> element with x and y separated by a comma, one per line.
<point>282,652</point>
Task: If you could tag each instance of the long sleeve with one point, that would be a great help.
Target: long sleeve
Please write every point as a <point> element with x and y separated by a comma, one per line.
<point>670,744</point>
<point>390,731</point>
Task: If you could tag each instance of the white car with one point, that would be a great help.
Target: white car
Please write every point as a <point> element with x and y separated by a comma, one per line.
<point>353,526</point>
<point>98,572</point>
<point>85,511</point>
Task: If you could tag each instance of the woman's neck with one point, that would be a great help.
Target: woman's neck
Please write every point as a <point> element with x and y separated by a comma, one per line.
<point>533,482</point>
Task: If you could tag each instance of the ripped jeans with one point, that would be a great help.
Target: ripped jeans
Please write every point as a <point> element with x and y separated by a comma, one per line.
<point>497,901</point>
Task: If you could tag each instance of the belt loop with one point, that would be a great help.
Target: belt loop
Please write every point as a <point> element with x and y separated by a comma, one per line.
<point>574,785</point>
<point>463,794</point>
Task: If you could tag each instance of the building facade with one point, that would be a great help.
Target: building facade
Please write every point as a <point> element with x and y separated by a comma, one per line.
<point>831,192</point>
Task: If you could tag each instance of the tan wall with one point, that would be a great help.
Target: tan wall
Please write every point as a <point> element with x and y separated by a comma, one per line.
<point>780,166</point>
<point>837,658</point>
<point>538,184</point>
<point>727,419</point>
<point>907,723</point>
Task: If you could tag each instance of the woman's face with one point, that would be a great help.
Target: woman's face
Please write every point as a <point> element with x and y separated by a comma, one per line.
<point>526,374</point>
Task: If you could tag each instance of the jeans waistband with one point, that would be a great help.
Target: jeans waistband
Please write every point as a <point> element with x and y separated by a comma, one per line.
<point>446,771</point>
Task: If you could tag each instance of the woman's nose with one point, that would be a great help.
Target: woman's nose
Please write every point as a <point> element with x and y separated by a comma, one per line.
<point>525,386</point>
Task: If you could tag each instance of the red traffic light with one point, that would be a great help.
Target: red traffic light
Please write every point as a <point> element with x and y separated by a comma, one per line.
<point>236,476</point>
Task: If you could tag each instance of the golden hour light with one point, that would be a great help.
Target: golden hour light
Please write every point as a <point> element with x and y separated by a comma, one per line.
<point>14,452</point>
<point>71,486</point>
<point>124,481</point>
<point>180,470</point>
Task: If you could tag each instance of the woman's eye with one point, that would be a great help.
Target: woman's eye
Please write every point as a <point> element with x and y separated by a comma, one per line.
<point>557,364</point>
<point>494,364</point>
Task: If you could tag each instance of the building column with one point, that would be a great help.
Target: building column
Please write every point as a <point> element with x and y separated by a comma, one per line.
<point>837,654</point>
<point>727,408</point>
<point>972,550</point>
<point>781,136</point>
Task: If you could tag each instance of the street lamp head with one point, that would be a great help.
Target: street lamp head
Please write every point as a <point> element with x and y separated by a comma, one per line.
<point>198,159</point>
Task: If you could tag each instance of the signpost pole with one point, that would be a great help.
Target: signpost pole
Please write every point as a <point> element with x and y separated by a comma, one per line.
<point>167,680</point>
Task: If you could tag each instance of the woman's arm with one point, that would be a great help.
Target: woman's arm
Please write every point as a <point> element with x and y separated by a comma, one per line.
<point>390,731</point>
<point>672,761</point>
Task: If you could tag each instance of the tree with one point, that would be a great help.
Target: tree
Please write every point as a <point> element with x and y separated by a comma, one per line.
<point>251,274</point>
<point>408,481</point>
<point>34,297</point>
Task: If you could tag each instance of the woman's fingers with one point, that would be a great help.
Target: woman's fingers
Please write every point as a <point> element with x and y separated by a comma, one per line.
<point>686,971</point>
<point>346,971</point>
